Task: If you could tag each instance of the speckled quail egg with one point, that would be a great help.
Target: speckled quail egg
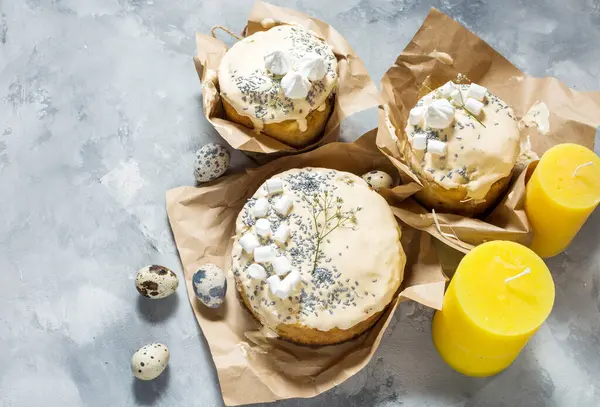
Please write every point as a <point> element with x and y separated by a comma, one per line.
<point>212,161</point>
<point>150,361</point>
<point>378,179</point>
<point>210,285</point>
<point>156,282</point>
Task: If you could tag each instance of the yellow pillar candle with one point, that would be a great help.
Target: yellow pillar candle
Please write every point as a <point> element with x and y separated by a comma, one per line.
<point>561,194</point>
<point>499,296</point>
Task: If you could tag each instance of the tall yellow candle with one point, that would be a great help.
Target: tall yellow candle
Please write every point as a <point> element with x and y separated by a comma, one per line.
<point>499,296</point>
<point>561,194</point>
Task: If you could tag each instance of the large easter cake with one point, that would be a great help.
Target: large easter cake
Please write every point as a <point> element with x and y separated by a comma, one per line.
<point>317,255</point>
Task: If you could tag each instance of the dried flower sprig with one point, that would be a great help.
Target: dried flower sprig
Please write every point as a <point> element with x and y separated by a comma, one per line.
<point>333,217</point>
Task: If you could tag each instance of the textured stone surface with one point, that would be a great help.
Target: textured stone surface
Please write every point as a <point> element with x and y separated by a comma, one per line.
<point>100,113</point>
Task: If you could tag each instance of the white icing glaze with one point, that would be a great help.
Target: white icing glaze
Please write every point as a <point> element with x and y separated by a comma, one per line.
<point>476,156</point>
<point>361,266</point>
<point>257,94</point>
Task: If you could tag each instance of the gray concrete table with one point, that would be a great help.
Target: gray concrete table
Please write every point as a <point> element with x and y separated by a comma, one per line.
<point>100,114</point>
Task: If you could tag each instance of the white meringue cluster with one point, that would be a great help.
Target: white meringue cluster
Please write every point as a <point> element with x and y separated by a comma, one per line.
<point>284,278</point>
<point>295,82</point>
<point>277,62</point>
<point>438,113</point>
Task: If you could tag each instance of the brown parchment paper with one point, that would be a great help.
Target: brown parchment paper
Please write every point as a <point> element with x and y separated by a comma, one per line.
<point>250,367</point>
<point>356,91</point>
<point>439,51</point>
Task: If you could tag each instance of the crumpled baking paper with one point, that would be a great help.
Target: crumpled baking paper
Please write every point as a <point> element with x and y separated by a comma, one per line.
<point>251,366</point>
<point>356,91</point>
<point>440,51</point>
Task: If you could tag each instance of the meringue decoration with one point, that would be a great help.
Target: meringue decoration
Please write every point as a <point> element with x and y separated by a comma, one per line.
<point>474,106</point>
<point>415,115</point>
<point>439,114</point>
<point>249,242</point>
<point>312,67</point>
<point>265,254</point>
<point>260,208</point>
<point>281,265</point>
<point>277,62</point>
<point>447,89</point>
<point>282,234</point>
<point>274,186</point>
<point>294,85</point>
<point>257,271</point>
<point>419,141</point>
<point>436,147</point>
<point>283,205</point>
<point>263,227</point>
<point>476,92</point>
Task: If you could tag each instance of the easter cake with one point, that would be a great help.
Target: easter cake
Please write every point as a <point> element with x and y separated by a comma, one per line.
<point>462,142</point>
<point>317,255</point>
<point>280,82</point>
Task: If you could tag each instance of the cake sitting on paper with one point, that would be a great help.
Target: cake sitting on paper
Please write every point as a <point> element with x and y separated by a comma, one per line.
<point>280,82</point>
<point>463,143</point>
<point>317,255</point>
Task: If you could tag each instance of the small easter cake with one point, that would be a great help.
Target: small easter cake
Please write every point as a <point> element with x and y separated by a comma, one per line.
<point>462,142</point>
<point>280,82</point>
<point>317,255</point>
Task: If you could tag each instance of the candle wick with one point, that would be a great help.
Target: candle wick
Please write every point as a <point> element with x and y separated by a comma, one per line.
<point>581,166</point>
<point>521,274</point>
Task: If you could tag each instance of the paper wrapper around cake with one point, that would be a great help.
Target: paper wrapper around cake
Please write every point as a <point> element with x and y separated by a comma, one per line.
<point>307,336</point>
<point>439,51</point>
<point>355,91</point>
<point>253,367</point>
<point>434,196</point>
<point>315,121</point>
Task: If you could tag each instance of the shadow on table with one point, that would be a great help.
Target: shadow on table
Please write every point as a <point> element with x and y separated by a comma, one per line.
<point>407,370</point>
<point>156,311</point>
<point>147,392</point>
